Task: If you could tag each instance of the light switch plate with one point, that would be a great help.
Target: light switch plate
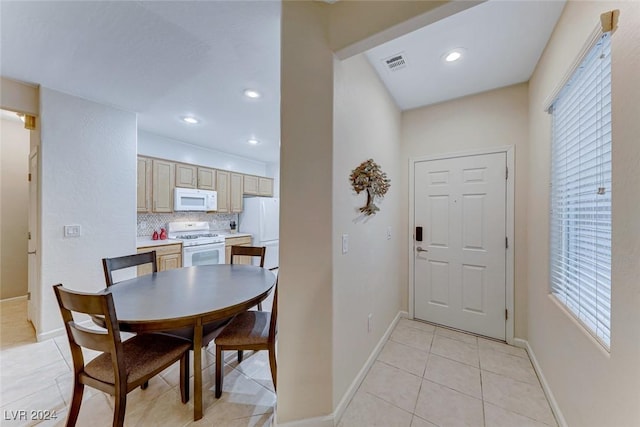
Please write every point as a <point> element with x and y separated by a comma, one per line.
<point>72,230</point>
<point>345,243</point>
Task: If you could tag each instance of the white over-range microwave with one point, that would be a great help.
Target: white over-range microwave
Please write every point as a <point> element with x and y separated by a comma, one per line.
<point>191,199</point>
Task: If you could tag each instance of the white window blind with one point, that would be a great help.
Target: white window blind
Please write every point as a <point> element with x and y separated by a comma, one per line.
<point>581,192</point>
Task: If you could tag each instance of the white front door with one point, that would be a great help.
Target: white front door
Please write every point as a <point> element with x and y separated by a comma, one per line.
<point>459,273</point>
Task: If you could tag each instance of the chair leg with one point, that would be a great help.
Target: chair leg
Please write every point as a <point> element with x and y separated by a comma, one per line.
<point>145,385</point>
<point>184,377</point>
<point>240,356</point>
<point>76,401</point>
<point>219,363</point>
<point>119,410</point>
<point>274,366</point>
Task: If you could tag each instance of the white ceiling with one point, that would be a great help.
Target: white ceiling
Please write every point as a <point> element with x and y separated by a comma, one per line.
<point>162,60</point>
<point>503,41</point>
<point>167,59</point>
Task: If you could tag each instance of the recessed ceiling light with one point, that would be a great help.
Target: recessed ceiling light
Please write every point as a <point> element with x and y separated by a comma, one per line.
<point>250,93</point>
<point>253,141</point>
<point>453,55</point>
<point>191,120</point>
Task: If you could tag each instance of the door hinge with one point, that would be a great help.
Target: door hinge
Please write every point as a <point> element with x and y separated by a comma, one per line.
<point>506,175</point>
<point>28,296</point>
<point>506,314</point>
<point>29,235</point>
<point>29,178</point>
<point>506,243</point>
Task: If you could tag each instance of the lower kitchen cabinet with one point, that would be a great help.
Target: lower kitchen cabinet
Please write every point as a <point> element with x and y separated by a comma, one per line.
<point>236,241</point>
<point>167,257</point>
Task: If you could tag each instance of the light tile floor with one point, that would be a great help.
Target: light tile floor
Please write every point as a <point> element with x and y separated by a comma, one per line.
<point>425,376</point>
<point>428,376</point>
<point>37,376</point>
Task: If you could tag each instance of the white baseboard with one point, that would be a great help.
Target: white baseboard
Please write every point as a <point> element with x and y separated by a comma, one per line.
<point>518,342</point>
<point>14,298</point>
<point>326,421</point>
<point>353,388</point>
<point>334,418</point>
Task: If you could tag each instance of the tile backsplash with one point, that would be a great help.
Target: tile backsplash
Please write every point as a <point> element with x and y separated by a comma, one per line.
<point>147,222</point>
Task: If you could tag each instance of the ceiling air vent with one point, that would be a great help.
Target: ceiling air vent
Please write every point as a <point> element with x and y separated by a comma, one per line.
<point>395,62</point>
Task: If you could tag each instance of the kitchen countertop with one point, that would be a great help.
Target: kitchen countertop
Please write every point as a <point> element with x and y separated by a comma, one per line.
<point>146,241</point>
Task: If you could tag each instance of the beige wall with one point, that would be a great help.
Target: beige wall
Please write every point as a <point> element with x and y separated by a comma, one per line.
<point>490,119</point>
<point>305,309</point>
<point>14,205</point>
<point>591,386</point>
<point>371,276</point>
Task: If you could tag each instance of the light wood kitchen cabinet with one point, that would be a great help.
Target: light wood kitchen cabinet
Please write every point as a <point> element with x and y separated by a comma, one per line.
<point>186,176</point>
<point>167,256</point>
<point>222,187</point>
<point>145,176</point>
<point>206,179</point>
<point>257,186</point>
<point>236,241</point>
<point>163,179</point>
<point>250,185</point>
<point>265,187</point>
<point>235,193</point>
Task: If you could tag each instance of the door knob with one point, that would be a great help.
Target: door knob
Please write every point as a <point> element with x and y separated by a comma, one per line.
<point>419,249</point>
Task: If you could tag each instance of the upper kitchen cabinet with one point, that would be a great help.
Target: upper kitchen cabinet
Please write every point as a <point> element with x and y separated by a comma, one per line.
<point>236,192</point>
<point>222,187</point>
<point>186,175</point>
<point>257,186</point>
<point>265,187</point>
<point>206,179</point>
<point>229,186</point>
<point>145,176</point>
<point>163,179</point>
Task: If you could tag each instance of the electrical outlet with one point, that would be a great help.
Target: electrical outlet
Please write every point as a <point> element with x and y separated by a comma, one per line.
<point>370,322</point>
<point>388,233</point>
<point>345,243</point>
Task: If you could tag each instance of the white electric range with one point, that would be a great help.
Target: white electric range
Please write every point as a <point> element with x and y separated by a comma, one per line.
<point>199,245</point>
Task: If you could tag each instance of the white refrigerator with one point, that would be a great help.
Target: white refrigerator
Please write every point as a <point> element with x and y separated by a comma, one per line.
<point>260,217</point>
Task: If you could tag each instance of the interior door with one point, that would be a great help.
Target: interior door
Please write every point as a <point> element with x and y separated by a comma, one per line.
<point>459,268</point>
<point>32,258</point>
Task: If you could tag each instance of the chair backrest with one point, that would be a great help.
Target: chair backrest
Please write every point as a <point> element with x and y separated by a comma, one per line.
<point>99,340</point>
<point>273,325</point>
<point>118,263</point>
<point>249,251</point>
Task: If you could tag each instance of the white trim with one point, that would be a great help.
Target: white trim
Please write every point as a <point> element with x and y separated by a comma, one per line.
<point>326,421</point>
<point>43,336</point>
<point>14,298</point>
<point>555,408</point>
<point>593,38</point>
<point>338,412</point>
<point>335,417</point>
<point>509,150</point>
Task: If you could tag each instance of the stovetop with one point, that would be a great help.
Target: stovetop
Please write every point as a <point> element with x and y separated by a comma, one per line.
<point>193,233</point>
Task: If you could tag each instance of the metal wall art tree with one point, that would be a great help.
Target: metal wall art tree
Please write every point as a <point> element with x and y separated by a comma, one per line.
<point>368,176</point>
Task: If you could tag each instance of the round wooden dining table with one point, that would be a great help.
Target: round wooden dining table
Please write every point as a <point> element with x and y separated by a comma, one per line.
<point>189,296</point>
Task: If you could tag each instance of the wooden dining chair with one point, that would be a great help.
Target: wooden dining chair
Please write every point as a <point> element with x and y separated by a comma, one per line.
<point>249,251</point>
<point>109,265</point>
<point>250,330</point>
<point>122,366</point>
